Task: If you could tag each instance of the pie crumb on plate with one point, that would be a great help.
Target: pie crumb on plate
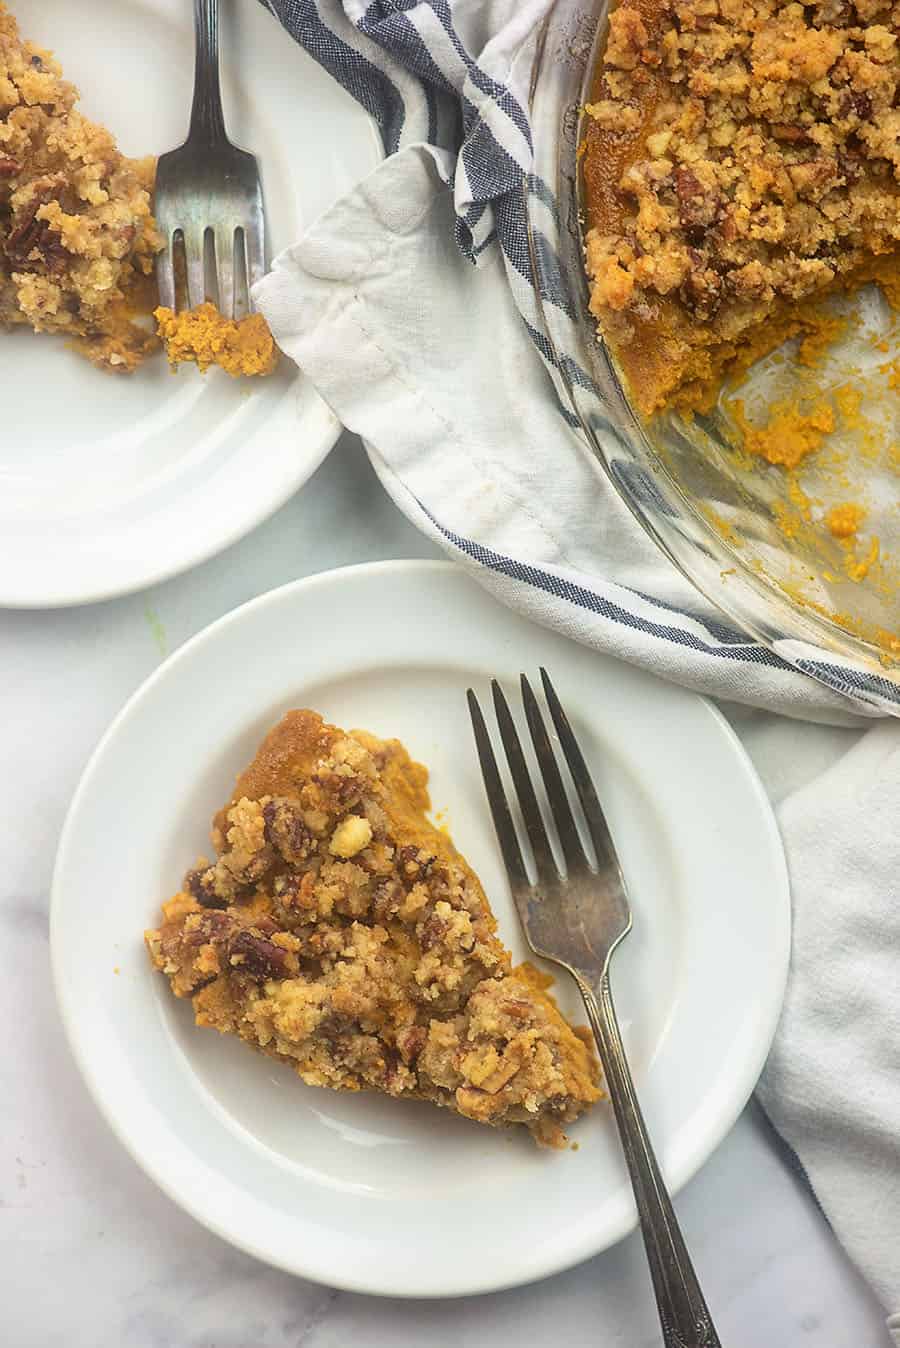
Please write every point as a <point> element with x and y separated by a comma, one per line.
<point>203,336</point>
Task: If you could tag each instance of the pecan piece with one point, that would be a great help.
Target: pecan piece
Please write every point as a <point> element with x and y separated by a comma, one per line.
<point>855,100</point>
<point>260,958</point>
<point>19,241</point>
<point>286,830</point>
<point>334,1026</point>
<point>414,862</point>
<point>813,176</point>
<point>344,789</point>
<point>255,868</point>
<point>862,104</point>
<point>410,1042</point>
<point>204,929</point>
<point>787,133</point>
<point>32,235</point>
<point>850,165</point>
<point>727,226</point>
<point>433,931</point>
<point>201,882</point>
<point>9,168</point>
<point>295,894</point>
<point>697,207</point>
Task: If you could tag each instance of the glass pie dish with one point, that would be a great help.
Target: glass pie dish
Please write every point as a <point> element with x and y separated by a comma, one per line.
<point>751,537</point>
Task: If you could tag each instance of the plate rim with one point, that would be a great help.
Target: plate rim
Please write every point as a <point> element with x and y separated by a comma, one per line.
<point>331,430</point>
<point>432,1287</point>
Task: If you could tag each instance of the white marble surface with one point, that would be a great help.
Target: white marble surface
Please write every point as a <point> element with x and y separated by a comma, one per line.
<point>92,1255</point>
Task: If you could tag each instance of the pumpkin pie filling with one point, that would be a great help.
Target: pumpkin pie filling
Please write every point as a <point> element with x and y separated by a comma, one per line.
<point>340,932</point>
<point>741,161</point>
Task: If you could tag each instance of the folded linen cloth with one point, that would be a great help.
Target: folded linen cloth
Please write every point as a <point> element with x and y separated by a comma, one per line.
<point>832,1082</point>
<point>433,360</point>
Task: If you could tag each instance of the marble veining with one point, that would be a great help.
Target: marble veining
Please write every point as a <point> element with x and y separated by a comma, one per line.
<point>93,1256</point>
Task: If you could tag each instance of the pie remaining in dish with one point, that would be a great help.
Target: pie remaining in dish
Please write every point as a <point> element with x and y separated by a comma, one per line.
<point>340,932</point>
<point>77,235</point>
<point>741,160</point>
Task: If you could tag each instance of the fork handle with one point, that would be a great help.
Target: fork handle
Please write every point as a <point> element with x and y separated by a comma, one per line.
<point>683,1313</point>
<point>207,118</point>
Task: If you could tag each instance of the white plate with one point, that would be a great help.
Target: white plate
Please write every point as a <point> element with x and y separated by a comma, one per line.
<point>110,484</point>
<point>361,1191</point>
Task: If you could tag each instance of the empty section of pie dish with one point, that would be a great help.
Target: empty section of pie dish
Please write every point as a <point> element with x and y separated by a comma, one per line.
<point>806,559</point>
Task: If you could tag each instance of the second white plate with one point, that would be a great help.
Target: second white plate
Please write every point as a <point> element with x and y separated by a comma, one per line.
<point>110,484</point>
<point>361,1191</point>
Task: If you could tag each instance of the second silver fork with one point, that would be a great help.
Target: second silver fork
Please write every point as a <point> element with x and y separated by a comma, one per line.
<point>209,190</point>
<point>577,919</point>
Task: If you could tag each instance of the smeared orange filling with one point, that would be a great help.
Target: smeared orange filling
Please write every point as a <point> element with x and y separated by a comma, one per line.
<point>202,336</point>
<point>789,435</point>
<point>842,521</point>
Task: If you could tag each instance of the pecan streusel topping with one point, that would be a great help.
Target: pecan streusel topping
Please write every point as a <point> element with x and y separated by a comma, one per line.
<point>339,931</point>
<point>76,232</point>
<point>741,158</point>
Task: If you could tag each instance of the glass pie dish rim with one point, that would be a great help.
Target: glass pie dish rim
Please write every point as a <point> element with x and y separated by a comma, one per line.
<point>608,429</point>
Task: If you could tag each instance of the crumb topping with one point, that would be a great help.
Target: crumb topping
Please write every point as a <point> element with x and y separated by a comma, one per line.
<point>756,147</point>
<point>339,931</point>
<point>351,836</point>
<point>76,230</point>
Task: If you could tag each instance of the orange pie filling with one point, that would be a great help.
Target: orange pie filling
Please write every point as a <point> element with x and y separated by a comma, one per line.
<point>341,933</point>
<point>741,162</point>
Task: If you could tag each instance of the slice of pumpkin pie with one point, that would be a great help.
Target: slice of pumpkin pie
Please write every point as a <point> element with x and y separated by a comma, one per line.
<point>342,933</point>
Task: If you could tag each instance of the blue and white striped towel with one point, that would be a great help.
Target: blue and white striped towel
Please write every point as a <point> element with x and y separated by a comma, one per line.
<point>446,81</point>
<point>435,362</point>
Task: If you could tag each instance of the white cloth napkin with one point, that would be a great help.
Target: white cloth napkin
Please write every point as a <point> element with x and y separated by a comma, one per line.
<point>832,1083</point>
<point>428,358</point>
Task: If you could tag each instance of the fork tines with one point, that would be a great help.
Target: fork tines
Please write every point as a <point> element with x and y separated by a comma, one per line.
<point>209,210</point>
<point>574,854</point>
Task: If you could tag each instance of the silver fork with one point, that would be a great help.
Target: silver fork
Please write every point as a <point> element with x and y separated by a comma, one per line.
<point>208,188</point>
<point>577,920</point>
